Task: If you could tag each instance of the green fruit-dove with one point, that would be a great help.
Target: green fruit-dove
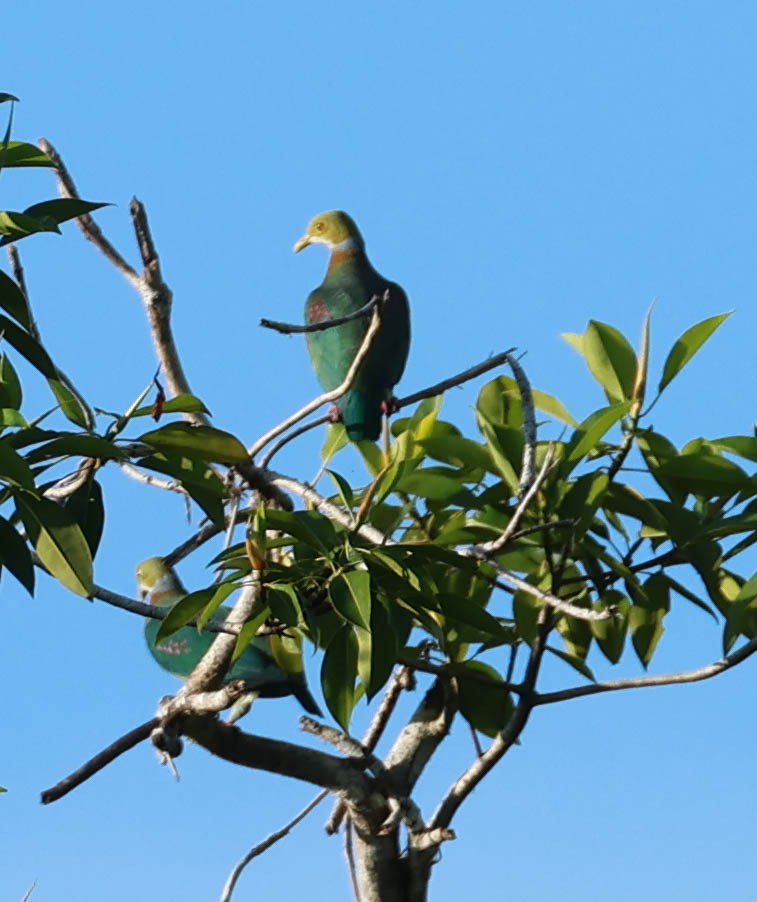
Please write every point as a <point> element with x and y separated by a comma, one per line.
<point>180,652</point>
<point>349,284</point>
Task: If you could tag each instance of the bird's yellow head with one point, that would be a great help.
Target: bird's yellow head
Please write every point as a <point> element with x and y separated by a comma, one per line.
<point>154,574</point>
<point>335,229</point>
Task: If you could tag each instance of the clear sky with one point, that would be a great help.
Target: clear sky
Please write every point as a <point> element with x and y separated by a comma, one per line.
<point>519,168</point>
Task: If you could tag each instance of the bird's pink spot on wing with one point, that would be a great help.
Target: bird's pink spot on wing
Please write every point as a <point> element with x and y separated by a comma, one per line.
<point>318,311</point>
<point>174,647</point>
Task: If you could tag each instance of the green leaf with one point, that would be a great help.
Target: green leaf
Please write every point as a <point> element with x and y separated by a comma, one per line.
<point>589,432</point>
<point>553,406</point>
<point>11,417</point>
<point>338,673</point>
<point>611,359</point>
<point>15,556</point>
<point>198,442</point>
<point>70,405</point>
<point>611,634</point>
<point>704,474</point>
<point>184,610</point>
<point>61,209</point>
<point>182,403</point>
<point>199,480</point>
<point>686,347</point>
<point>484,702</point>
<point>458,451</point>
<point>343,487</point>
<point>13,301</point>
<point>336,439</point>
<point>384,648</point>
<point>284,603</point>
<point>432,486</point>
<point>88,509</point>
<point>28,347</point>
<point>69,444</point>
<point>19,153</point>
<point>350,594</point>
<point>13,468</point>
<point>15,226</point>
<point>465,611</point>
<point>574,661</point>
<point>59,542</point>
<point>10,387</point>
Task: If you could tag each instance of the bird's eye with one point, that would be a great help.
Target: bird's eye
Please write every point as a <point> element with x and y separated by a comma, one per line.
<point>319,227</point>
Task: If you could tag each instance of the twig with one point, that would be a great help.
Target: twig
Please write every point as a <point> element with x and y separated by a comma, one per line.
<point>670,679</point>
<point>565,607</point>
<point>295,433</point>
<point>168,485</point>
<point>325,397</point>
<point>430,392</point>
<point>92,231</point>
<point>465,376</point>
<point>494,547</point>
<point>266,844</point>
<point>529,426</point>
<point>154,612</point>
<point>332,511</point>
<point>66,486</point>
<point>292,329</point>
<point>100,760</point>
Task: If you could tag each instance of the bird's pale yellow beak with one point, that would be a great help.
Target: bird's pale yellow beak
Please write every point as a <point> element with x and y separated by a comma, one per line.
<point>303,242</point>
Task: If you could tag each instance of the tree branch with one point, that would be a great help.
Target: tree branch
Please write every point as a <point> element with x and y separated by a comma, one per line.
<point>292,329</point>
<point>266,844</point>
<point>670,679</point>
<point>101,760</point>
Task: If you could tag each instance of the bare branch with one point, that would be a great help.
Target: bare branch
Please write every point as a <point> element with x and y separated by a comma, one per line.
<point>66,486</point>
<point>493,548</point>
<point>295,433</point>
<point>529,426</point>
<point>565,607</point>
<point>266,844</point>
<point>278,757</point>
<point>292,329</point>
<point>332,511</point>
<point>92,231</point>
<point>328,396</point>
<point>465,376</point>
<point>101,760</point>
<point>168,485</point>
<point>670,679</point>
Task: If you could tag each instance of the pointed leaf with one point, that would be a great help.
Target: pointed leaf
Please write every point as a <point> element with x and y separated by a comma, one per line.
<point>12,300</point>
<point>351,596</point>
<point>19,153</point>
<point>59,542</point>
<point>15,556</point>
<point>687,345</point>
<point>484,701</point>
<point>199,442</point>
<point>87,508</point>
<point>338,673</point>
<point>611,359</point>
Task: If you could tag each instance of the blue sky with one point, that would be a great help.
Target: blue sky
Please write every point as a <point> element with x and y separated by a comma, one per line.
<point>519,168</point>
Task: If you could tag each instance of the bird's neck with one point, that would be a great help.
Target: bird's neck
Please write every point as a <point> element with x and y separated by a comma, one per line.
<point>347,253</point>
<point>165,592</point>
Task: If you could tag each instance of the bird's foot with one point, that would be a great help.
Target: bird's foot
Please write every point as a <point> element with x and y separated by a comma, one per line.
<point>334,414</point>
<point>389,406</point>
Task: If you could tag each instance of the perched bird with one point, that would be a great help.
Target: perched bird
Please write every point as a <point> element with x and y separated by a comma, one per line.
<point>180,653</point>
<point>349,284</point>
